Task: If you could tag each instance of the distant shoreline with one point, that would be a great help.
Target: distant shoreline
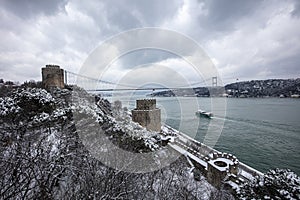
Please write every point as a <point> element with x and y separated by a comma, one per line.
<point>280,88</point>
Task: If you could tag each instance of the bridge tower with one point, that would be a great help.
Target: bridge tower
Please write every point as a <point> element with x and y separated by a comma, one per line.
<point>147,115</point>
<point>214,81</point>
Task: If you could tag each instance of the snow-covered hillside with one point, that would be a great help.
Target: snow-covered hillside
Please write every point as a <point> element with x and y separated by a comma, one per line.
<point>43,155</point>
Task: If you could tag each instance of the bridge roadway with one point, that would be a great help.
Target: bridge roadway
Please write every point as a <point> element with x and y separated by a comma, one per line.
<point>201,153</point>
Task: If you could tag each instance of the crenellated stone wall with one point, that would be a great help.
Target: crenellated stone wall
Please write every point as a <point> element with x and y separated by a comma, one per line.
<point>220,166</point>
<point>146,104</point>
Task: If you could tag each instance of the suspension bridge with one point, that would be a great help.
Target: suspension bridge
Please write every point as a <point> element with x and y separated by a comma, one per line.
<point>97,85</point>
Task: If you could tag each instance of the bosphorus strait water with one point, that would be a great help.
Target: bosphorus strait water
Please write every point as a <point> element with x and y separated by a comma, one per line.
<point>264,133</point>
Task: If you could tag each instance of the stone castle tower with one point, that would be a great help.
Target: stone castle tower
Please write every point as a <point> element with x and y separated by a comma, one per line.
<point>52,76</point>
<point>220,166</point>
<point>147,115</point>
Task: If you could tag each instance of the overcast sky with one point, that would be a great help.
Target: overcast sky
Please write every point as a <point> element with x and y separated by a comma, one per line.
<point>244,39</point>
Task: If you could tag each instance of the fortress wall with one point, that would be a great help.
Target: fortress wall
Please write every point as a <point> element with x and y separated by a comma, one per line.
<point>151,119</point>
<point>250,170</point>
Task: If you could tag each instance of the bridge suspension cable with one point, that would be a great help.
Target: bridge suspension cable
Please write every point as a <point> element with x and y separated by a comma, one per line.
<point>101,81</point>
<point>197,83</point>
<point>91,82</point>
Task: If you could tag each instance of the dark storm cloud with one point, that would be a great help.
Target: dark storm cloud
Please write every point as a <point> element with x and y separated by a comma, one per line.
<point>222,15</point>
<point>146,13</point>
<point>296,10</point>
<point>30,8</point>
<point>114,16</point>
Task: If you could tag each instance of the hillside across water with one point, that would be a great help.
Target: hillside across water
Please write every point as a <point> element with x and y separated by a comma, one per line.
<point>254,88</point>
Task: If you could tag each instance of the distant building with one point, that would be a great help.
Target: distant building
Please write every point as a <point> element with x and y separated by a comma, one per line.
<point>52,76</point>
<point>147,115</point>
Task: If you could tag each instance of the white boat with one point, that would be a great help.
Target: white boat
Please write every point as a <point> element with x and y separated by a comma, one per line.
<point>203,113</point>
